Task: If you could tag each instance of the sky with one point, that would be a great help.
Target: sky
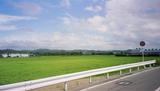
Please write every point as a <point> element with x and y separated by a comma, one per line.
<point>79,24</point>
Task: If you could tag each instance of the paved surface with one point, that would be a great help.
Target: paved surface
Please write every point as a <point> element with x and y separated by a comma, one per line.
<point>145,81</point>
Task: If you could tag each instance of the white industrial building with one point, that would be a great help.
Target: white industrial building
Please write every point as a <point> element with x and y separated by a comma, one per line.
<point>15,55</point>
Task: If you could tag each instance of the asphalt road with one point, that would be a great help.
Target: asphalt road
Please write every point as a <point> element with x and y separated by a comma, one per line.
<point>148,80</point>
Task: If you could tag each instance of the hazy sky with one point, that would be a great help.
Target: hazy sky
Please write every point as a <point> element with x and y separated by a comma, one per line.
<point>79,24</point>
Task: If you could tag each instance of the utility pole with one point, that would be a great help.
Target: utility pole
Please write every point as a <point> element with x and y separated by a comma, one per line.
<point>142,44</point>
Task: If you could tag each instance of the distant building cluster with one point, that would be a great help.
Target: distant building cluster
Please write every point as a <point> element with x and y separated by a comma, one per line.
<point>14,55</point>
<point>138,51</point>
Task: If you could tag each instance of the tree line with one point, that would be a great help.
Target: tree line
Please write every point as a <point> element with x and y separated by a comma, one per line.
<point>48,52</point>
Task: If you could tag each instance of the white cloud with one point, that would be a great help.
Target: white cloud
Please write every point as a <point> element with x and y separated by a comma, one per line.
<point>65,3</point>
<point>132,21</point>
<point>29,8</point>
<point>95,23</point>
<point>55,40</point>
<point>7,22</point>
<point>9,18</point>
<point>98,23</point>
<point>7,27</point>
<point>127,21</point>
<point>93,8</point>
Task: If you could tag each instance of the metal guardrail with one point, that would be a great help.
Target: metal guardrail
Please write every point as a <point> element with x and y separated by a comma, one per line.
<point>33,84</point>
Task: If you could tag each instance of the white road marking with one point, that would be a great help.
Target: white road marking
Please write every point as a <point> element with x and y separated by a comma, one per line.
<point>121,79</point>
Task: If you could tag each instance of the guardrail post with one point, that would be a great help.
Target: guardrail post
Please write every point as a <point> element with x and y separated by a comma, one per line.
<point>90,79</point>
<point>138,68</point>
<point>120,72</point>
<point>130,70</point>
<point>150,65</point>
<point>154,65</point>
<point>144,66</point>
<point>107,75</point>
<point>65,86</point>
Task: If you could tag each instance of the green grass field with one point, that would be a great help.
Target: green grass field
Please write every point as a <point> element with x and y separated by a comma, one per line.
<point>22,69</point>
